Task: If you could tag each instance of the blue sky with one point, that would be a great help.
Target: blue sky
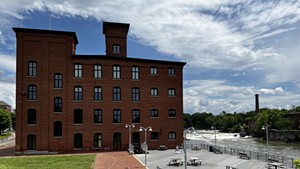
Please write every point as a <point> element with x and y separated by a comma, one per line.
<point>233,49</point>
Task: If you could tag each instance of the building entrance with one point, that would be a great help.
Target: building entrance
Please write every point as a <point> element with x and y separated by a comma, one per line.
<point>117,142</point>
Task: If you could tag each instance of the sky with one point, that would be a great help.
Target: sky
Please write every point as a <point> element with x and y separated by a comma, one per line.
<point>234,49</point>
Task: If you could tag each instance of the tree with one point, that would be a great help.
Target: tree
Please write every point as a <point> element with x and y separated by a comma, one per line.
<point>5,120</point>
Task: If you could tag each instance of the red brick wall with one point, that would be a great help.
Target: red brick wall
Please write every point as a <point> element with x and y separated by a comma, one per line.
<point>53,54</point>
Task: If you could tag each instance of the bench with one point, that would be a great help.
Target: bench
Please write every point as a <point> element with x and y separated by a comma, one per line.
<point>270,160</point>
<point>229,167</point>
<point>244,156</point>
<point>162,147</point>
<point>217,151</point>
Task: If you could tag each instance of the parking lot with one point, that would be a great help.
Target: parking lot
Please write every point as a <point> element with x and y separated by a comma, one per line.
<point>209,160</point>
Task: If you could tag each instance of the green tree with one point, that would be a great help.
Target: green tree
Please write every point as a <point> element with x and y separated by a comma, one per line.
<point>5,120</point>
<point>297,163</point>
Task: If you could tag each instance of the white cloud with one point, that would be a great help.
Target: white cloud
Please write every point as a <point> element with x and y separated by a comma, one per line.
<point>8,63</point>
<point>216,96</point>
<point>7,93</point>
<point>214,35</point>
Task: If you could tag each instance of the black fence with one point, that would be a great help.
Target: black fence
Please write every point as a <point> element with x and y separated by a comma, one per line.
<point>252,154</point>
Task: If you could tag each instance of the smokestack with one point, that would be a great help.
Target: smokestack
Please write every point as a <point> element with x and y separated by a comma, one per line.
<point>256,103</point>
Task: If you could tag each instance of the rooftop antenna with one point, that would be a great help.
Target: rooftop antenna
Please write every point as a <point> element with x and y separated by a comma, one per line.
<point>50,20</point>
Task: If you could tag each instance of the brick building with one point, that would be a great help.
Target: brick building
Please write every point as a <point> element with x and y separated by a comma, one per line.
<point>67,102</point>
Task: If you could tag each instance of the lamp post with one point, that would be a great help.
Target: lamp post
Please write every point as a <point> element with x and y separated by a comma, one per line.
<point>129,126</point>
<point>146,146</point>
<point>265,127</point>
<point>184,146</point>
<point>214,128</point>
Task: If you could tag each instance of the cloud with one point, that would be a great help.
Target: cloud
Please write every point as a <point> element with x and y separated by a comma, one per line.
<point>277,90</point>
<point>217,95</point>
<point>221,35</point>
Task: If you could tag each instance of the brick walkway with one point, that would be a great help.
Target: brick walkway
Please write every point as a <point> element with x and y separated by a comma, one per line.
<point>117,160</point>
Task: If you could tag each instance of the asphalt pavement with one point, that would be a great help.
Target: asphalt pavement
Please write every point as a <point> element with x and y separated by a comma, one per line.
<point>159,159</point>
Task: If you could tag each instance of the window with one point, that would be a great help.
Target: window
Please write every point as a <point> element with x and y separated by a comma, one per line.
<point>31,68</point>
<point>78,116</point>
<point>32,93</point>
<point>57,104</point>
<point>116,72</point>
<point>116,48</point>
<point>97,140</point>
<point>154,135</point>
<point>172,135</point>
<point>97,116</point>
<point>172,92</point>
<point>153,92</point>
<point>97,93</point>
<point>57,129</point>
<point>135,72</point>
<point>97,71</point>
<point>58,80</point>
<point>154,113</point>
<point>116,94</point>
<point>117,116</point>
<point>31,116</point>
<point>153,70</point>
<point>135,94</point>
<point>78,93</point>
<point>135,116</point>
<point>78,140</point>
<point>77,70</point>
<point>31,142</point>
<point>171,71</point>
<point>172,113</point>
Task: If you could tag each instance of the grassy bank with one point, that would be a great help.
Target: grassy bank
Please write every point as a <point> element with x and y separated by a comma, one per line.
<point>4,135</point>
<point>49,162</point>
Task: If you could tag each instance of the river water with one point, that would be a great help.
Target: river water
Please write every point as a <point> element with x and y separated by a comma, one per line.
<point>233,140</point>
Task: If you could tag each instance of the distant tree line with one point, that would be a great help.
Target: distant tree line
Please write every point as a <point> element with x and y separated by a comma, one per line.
<point>250,122</point>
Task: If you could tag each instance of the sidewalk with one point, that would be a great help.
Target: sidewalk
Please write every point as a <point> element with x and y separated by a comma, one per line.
<point>117,160</point>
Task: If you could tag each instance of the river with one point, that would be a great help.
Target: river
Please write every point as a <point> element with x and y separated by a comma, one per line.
<point>233,140</point>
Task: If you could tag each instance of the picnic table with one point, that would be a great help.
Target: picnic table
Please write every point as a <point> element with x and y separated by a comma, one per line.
<point>244,155</point>
<point>175,161</point>
<point>194,161</point>
<point>275,165</point>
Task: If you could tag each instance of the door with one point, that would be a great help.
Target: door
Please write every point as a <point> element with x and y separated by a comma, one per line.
<point>117,142</point>
<point>136,142</point>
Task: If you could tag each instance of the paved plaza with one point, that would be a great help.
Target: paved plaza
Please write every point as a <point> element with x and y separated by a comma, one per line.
<point>159,159</point>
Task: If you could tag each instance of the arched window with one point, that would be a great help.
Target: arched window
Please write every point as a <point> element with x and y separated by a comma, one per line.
<point>154,135</point>
<point>97,71</point>
<point>31,116</point>
<point>97,116</point>
<point>78,119</point>
<point>32,92</point>
<point>172,113</point>
<point>58,104</point>
<point>154,91</point>
<point>31,68</point>
<point>31,142</point>
<point>77,70</point>
<point>116,48</point>
<point>135,94</point>
<point>116,94</point>
<point>154,113</point>
<point>58,80</point>
<point>97,140</point>
<point>172,135</point>
<point>78,140</point>
<point>57,127</point>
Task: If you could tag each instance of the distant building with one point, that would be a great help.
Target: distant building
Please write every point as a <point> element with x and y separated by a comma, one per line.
<point>5,106</point>
<point>67,102</point>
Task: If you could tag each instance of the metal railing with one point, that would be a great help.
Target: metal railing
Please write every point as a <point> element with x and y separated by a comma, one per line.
<point>253,154</point>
